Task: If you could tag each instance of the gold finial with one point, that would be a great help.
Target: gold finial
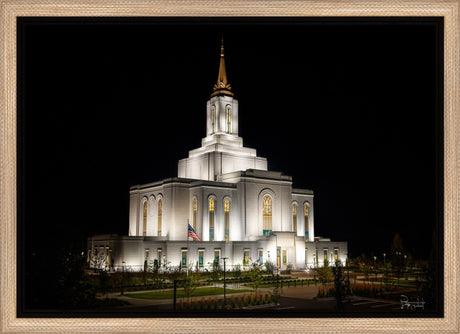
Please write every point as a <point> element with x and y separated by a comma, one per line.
<point>222,87</point>
<point>222,47</point>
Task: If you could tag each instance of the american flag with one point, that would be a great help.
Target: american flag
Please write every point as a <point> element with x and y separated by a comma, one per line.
<point>192,233</point>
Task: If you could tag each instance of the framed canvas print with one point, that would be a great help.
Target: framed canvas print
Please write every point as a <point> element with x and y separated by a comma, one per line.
<point>264,165</point>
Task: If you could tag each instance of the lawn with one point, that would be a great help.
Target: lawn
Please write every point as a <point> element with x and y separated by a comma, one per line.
<point>169,294</point>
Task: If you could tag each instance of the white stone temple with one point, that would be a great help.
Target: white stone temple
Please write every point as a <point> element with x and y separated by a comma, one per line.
<point>239,209</point>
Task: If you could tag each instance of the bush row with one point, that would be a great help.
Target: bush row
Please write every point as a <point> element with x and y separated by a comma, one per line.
<point>362,290</point>
<point>233,302</point>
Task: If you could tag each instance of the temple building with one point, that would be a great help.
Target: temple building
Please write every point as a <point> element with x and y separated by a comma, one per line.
<point>238,208</point>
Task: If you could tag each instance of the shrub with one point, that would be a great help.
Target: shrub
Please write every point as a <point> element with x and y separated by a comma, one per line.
<point>366,290</point>
<point>325,291</point>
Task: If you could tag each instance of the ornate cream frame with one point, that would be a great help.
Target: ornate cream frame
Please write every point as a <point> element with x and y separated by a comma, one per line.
<point>11,9</point>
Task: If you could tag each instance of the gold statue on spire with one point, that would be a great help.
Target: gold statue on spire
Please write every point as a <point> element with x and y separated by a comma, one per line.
<point>222,87</point>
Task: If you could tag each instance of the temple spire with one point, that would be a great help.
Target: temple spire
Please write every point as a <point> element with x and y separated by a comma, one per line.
<point>222,87</point>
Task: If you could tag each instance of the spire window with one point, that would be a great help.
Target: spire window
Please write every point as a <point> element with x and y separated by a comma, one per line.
<point>228,114</point>
<point>213,120</point>
<point>195,209</point>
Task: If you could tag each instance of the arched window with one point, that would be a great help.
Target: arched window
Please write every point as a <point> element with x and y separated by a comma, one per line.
<point>211,219</point>
<point>213,119</point>
<point>195,208</point>
<point>227,219</point>
<point>228,116</point>
<point>160,215</point>
<point>144,225</point>
<point>306,221</point>
<point>294,218</point>
<point>267,215</point>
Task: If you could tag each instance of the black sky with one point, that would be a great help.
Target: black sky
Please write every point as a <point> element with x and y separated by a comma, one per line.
<point>348,108</point>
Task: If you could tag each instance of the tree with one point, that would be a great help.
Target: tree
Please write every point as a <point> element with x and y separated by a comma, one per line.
<point>237,272</point>
<point>397,244</point>
<point>365,265</point>
<point>74,287</point>
<point>324,273</point>
<point>98,260</point>
<point>270,267</point>
<point>216,271</point>
<point>190,283</point>
<point>255,274</point>
<point>387,269</point>
<point>340,290</point>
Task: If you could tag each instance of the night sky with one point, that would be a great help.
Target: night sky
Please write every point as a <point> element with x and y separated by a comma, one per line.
<point>348,108</point>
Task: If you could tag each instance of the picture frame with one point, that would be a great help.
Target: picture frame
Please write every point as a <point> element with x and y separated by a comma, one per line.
<point>10,10</point>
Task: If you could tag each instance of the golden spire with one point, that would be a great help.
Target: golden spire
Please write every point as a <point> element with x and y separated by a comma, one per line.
<point>222,87</point>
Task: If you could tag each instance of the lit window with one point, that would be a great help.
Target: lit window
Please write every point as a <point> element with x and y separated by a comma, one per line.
<point>211,219</point>
<point>213,119</point>
<point>195,208</point>
<point>246,257</point>
<point>184,259</point>
<point>200,258</point>
<point>227,219</point>
<point>278,257</point>
<point>284,257</point>
<point>228,113</point>
<point>267,215</point>
<point>294,218</point>
<point>144,225</point>
<point>160,256</point>
<point>325,254</point>
<point>306,221</point>
<point>160,216</point>
<point>336,255</point>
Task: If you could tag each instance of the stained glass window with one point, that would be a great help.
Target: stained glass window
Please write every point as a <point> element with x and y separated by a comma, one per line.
<point>229,119</point>
<point>200,258</point>
<point>184,259</point>
<point>294,218</point>
<point>195,208</point>
<point>213,119</point>
<point>278,257</point>
<point>211,219</point>
<point>144,225</point>
<point>160,216</point>
<point>306,221</point>
<point>227,219</point>
<point>267,215</point>
<point>246,258</point>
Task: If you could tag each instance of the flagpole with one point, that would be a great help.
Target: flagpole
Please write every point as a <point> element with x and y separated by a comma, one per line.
<point>188,250</point>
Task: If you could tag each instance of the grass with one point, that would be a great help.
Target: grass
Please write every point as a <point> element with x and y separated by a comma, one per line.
<point>169,294</point>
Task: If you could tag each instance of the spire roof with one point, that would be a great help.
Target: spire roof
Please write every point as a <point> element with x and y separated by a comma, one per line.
<point>222,87</point>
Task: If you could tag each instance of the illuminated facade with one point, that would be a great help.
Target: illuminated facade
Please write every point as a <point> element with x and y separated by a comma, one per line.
<point>238,208</point>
